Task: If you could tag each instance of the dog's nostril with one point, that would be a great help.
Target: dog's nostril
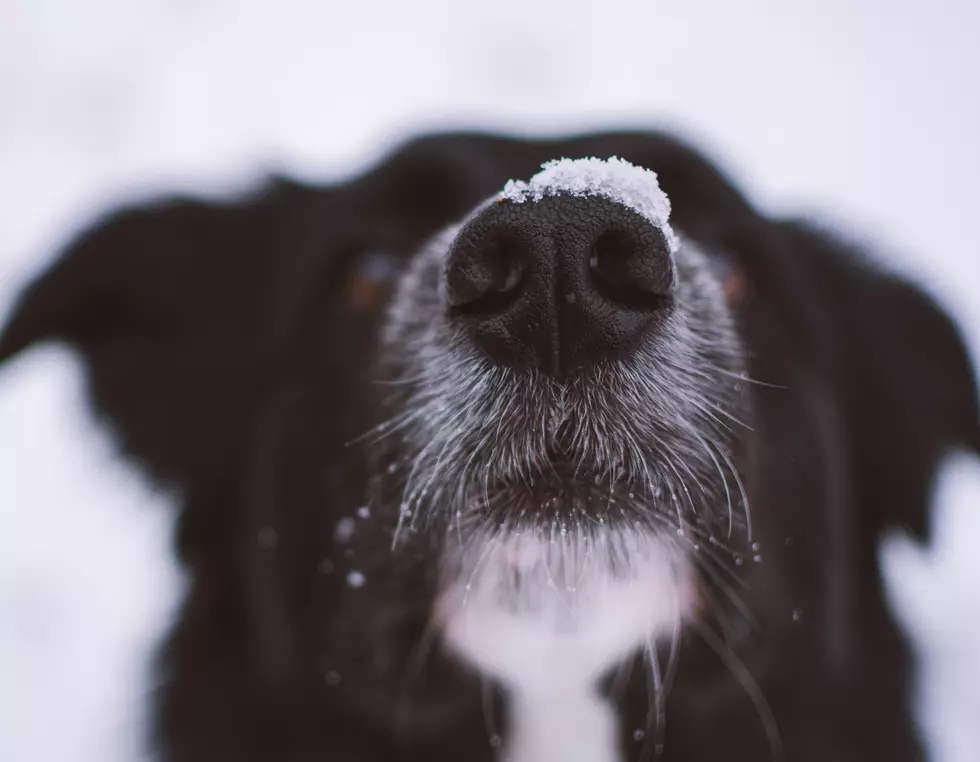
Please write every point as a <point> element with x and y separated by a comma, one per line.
<point>631,270</point>
<point>484,274</point>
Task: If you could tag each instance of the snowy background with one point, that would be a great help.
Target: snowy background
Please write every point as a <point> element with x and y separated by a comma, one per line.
<point>867,113</point>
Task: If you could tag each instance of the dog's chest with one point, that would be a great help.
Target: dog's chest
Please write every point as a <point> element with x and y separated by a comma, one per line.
<point>548,619</point>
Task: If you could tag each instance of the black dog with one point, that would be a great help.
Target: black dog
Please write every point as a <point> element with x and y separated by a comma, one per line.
<point>544,473</point>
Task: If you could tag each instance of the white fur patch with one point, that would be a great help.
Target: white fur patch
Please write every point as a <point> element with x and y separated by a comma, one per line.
<point>548,615</point>
<point>614,179</point>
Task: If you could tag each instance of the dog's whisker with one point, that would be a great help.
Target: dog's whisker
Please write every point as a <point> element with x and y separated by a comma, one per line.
<point>653,742</point>
<point>420,654</point>
<point>743,376</point>
<point>744,677</point>
<point>727,414</point>
<point>724,482</point>
<point>621,681</point>
<point>486,703</point>
<point>710,541</point>
<point>741,488</point>
<point>392,425</point>
<point>673,656</point>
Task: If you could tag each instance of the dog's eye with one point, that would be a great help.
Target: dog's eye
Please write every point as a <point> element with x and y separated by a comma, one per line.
<point>371,278</point>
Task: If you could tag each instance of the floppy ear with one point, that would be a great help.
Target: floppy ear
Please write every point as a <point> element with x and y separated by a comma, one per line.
<point>189,313</point>
<point>166,304</point>
<point>908,386</point>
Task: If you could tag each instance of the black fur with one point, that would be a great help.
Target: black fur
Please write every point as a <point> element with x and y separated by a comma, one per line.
<point>231,350</point>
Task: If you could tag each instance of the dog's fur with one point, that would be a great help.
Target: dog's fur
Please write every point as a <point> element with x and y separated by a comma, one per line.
<point>345,460</point>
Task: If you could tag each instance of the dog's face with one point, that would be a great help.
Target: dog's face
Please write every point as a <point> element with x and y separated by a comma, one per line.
<point>548,431</point>
<point>568,389</point>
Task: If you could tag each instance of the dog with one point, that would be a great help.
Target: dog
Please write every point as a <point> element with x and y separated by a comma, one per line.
<point>530,450</point>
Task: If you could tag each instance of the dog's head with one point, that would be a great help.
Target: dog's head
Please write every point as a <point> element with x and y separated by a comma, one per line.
<point>555,376</point>
<point>553,352</point>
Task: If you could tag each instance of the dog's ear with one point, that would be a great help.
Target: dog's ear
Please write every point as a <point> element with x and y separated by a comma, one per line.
<point>907,382</point>
<point>183,309</point>
<point>166,304</point>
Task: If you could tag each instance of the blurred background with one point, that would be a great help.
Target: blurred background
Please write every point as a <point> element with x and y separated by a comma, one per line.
<point>864,113</point>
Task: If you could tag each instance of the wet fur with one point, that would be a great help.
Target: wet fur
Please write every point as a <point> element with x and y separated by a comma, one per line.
<point>246,354</point>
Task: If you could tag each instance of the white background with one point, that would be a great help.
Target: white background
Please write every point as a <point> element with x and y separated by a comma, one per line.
<point>866,113</point>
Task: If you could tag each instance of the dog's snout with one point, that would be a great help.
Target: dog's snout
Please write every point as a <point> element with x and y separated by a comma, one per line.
<point>560,283</point>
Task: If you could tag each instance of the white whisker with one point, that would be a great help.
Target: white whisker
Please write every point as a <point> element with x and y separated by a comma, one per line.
<point>741,673</point>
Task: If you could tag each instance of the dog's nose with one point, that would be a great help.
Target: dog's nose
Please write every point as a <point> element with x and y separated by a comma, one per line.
<point>561,283</point>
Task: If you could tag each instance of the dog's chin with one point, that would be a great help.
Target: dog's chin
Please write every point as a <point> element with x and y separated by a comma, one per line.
<point>565,524</point>
<point>563,495</point>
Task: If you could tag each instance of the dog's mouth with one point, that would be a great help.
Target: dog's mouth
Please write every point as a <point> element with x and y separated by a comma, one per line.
<point>564,492</point>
